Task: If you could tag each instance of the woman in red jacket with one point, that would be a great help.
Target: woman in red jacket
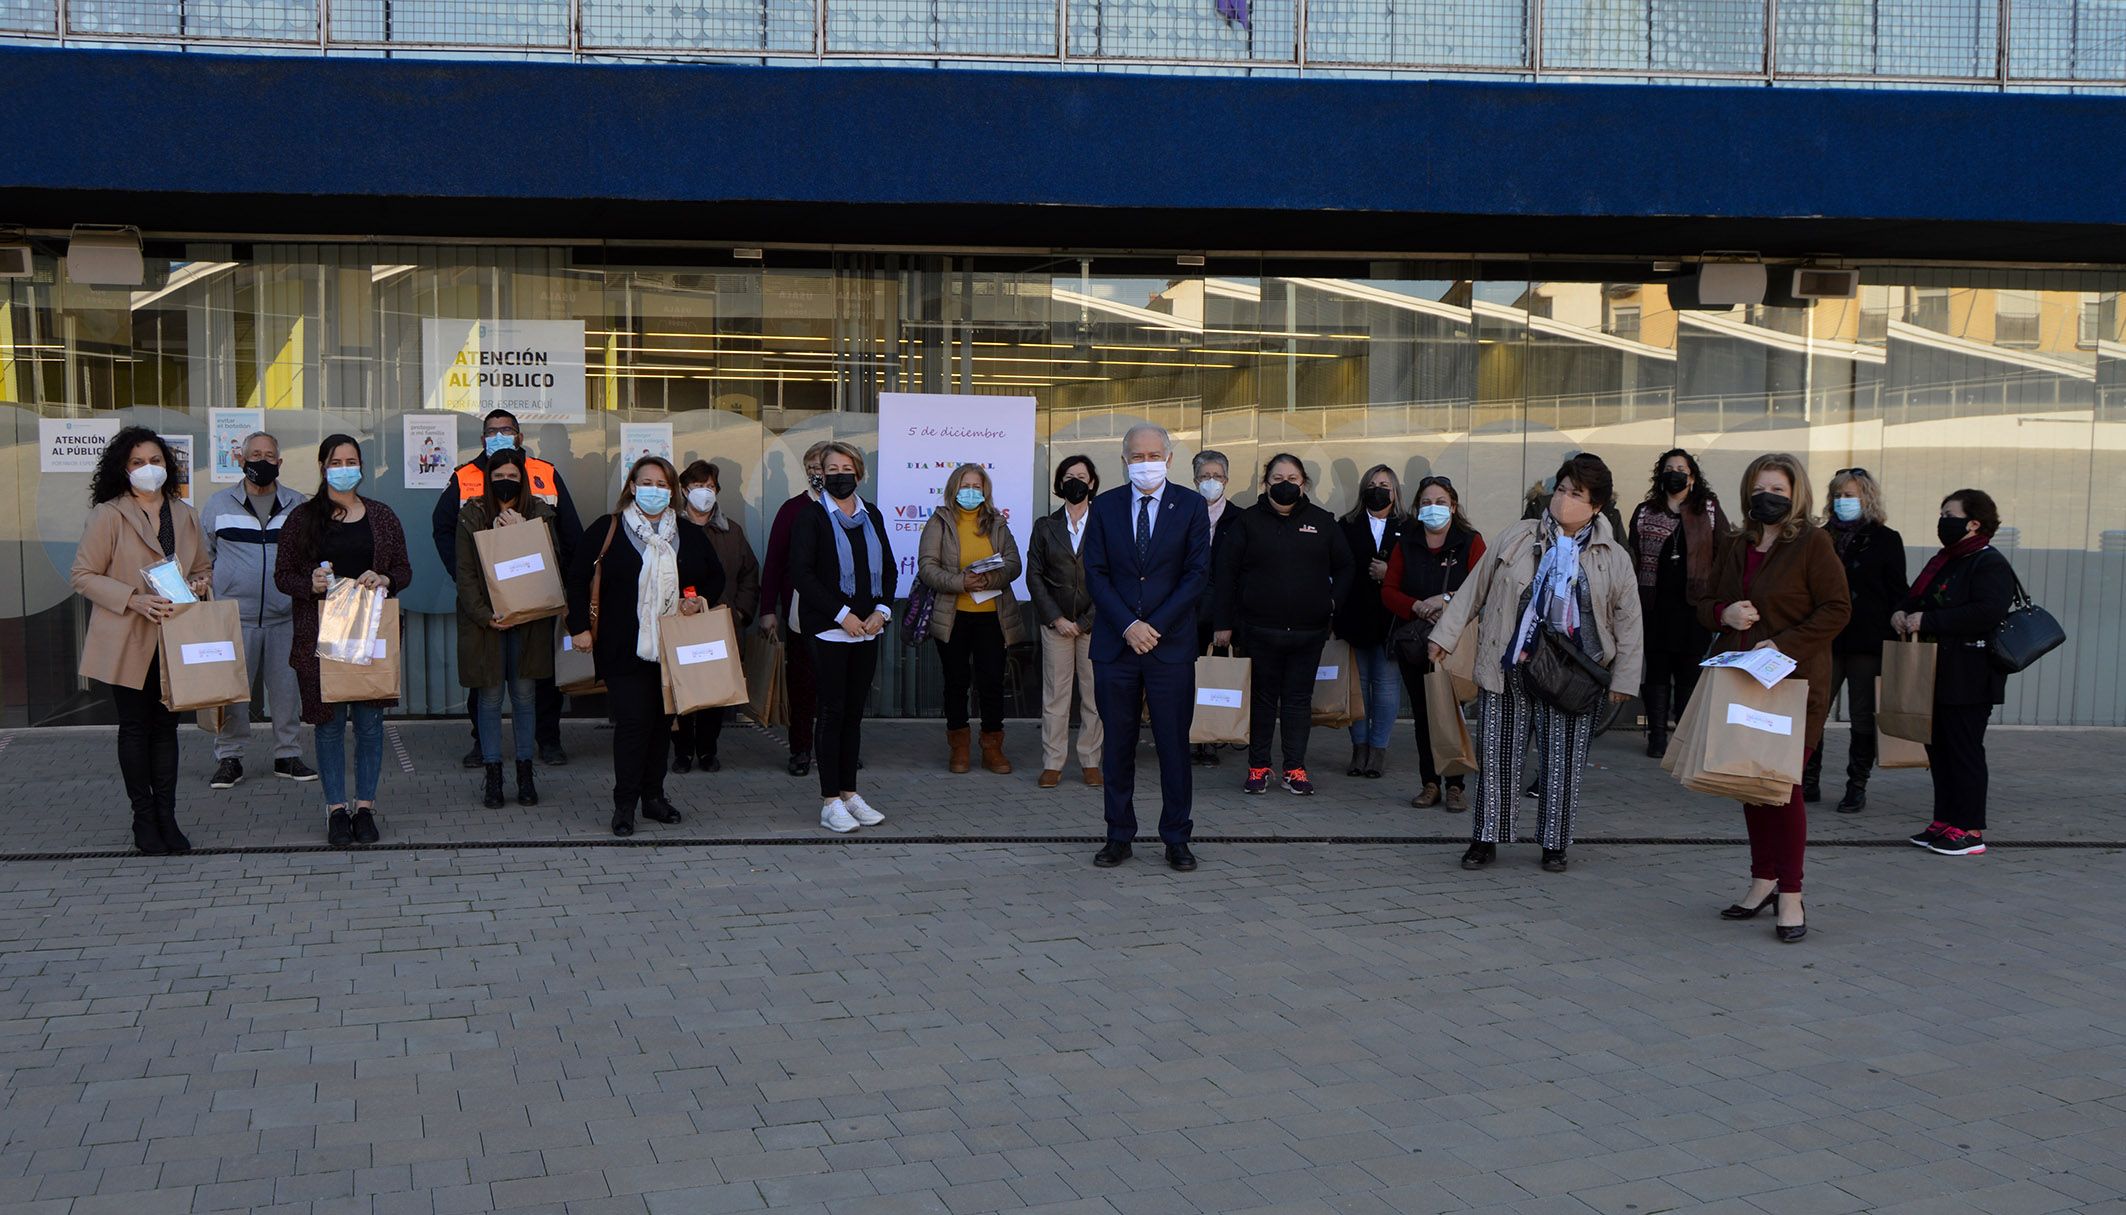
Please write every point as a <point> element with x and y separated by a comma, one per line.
<point>1424,570</point>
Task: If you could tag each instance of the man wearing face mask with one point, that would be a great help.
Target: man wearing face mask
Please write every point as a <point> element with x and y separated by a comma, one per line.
<point>243,530</point>
<point>468,483</point>
<point>1211,470</point>
<point>778,601</point>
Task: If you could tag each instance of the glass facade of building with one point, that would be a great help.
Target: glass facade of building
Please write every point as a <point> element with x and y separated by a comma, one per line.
<point>1486,371</point>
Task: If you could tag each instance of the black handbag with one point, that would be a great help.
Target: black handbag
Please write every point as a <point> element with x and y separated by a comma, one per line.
<point>1561,675</point>
<point>1409,643</point>
<point>2027,634</point>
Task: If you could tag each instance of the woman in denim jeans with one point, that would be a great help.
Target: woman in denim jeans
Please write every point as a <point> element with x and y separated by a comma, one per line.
<point>490,658</point>
<point>350,532</point>
<point>1373,529</point>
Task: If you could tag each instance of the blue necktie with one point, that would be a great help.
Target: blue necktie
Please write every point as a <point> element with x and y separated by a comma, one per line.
<point>1144,529</point>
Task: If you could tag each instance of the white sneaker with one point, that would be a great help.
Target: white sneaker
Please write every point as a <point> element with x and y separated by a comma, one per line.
<point>861,811</point>
<point>834,816</point>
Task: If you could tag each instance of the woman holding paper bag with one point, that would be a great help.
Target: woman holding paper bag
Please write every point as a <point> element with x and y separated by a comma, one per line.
<point>695,735</point>
<point>1428,565</point>
<point>635,567</point>
<point>1874,558</point>
<point>1778,582</point>
<point>138,524</point>
<point>976,616</point>
<point>489,656</point>
<point>335,533</point>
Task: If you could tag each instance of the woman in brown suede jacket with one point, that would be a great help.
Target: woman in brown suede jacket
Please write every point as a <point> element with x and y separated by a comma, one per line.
<point>1779,582</point>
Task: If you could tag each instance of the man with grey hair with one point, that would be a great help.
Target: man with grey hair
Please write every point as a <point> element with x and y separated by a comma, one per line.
<point>1147,553</point>
<point>243,528</point>
<point>1212,470</point>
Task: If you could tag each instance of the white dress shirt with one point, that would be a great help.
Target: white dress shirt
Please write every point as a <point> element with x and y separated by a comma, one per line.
<point>837,634</point>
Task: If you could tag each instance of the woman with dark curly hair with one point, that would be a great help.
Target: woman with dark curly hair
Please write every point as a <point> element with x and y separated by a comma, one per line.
<point>136,520</point>
<point>1671,544</point>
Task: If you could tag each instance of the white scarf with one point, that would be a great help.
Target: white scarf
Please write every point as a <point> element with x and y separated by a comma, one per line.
<point>1559,574</point>
<point>657,590</point>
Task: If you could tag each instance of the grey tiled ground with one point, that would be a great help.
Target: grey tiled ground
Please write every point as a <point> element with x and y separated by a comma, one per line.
<point>908,1027</point>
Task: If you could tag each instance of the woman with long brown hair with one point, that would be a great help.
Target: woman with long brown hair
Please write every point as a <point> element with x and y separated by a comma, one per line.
<point>492,660</point>
<point>976,615</point>
<point>1778,583</point>
<point>1672,541</point>
<point>1430,563</point>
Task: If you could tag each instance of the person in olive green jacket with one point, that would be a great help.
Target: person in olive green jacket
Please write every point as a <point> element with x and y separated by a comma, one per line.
<point>489,657</point>
<point>976,616</point>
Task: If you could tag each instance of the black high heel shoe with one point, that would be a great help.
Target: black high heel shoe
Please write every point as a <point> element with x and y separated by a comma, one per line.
<point>1736,911</point>
<point>1789,934</point>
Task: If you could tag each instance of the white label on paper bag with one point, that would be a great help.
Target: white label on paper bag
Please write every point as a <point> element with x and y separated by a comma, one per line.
<point>518,567</point>
<point>377,650</point>
<point>1770,723</point>
<point>707,651</point>
<point>1223,698</point>
<point>1321,673</point>
<point>983,596</point>
<point>207,651</point>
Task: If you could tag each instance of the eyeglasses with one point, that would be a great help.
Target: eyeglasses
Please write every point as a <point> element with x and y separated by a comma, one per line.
<point>1858,472</point>
<point>1440,481</point>
<point>499,430</point>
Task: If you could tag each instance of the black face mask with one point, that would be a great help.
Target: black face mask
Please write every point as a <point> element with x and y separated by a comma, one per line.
<point>839,486</point>
<point>262,472</point>
<point>1376,497</point>
<point>1949,529</point>
<point>1770,508</point>
<point>506,491</point>
<point>1673,482</point>
<point>1285,493</point>
<point>1074,491</point>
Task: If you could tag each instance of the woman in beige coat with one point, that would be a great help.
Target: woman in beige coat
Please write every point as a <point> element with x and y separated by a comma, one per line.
<point>137,520</point>
<point>1565,571</point>
<point>976,616</point>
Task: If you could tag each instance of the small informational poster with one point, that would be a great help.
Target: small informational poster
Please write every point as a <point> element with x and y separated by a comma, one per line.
<point>431,450</point>
<point>639,439</point>
<point>181,445</point>
<point>226,431</point>
<point>922,437</point>
<point>534,369</point>
<point>73,444</point>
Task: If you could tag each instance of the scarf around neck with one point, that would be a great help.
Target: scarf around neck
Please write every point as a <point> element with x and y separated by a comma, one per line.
<point>1557,577</point>
<point>1938,564</point>
<point>657,590</point>
<point>844,556</point>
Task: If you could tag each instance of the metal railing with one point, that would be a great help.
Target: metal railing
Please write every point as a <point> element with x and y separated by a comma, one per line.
<point>1971,43</point>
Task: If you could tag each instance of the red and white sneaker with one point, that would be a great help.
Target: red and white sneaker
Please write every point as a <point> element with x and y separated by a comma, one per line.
<point>1957,842</point>
<point>1925,839</point>
<point>1296,782</point>
<point>1258,781</point>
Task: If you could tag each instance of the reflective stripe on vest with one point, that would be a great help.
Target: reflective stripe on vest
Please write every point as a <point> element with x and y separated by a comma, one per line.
<point>472,483</point>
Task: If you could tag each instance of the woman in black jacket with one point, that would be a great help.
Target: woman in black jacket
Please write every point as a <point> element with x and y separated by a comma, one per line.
<point>1424,571</point>
<point>1284,571</point>
<point>1671,543</point>
<point>842,568</point>
<point>1957,602</point>
<point>1055,579</point>
<point>1372,531</point>
<point>643,567</point>
<point>1874,559</point>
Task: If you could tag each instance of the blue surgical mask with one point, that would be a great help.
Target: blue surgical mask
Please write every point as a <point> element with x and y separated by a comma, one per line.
<point>500,442</point>
<point>969,498</point>
<point>343,478</point>
<point>1435,516</point>
<point>652,499</point>
<point>1846,509</point>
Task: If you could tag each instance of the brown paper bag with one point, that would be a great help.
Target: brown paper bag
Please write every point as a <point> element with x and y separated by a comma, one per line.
<point>341,683</point>
<point>700,661</point>
<point>1223,686</point>
<point>1339,700</point>
<point>1686,748</point>
<point>1460,665</point>
<point>768,701</point>
<point>202,651</point>
<point>1906,707</point>
<point>574,670</point>
<point>523,578</point>
<point>1754,731</point>
<point>1892,751</point>
<point>1453,753</point>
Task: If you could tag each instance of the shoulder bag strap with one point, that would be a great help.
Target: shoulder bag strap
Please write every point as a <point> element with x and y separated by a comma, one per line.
<point>598,573</point>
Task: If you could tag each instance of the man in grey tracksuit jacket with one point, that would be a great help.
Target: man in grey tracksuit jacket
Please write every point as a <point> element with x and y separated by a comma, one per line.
<point>243,526</point>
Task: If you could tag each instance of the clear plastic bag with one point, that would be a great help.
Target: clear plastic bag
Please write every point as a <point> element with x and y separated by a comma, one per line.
<point>347,622</point>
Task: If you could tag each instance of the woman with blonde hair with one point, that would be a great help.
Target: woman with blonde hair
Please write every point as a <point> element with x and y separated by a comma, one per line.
<point>1874,560</point>
<point>976,615</point>
<point>1777,582</point>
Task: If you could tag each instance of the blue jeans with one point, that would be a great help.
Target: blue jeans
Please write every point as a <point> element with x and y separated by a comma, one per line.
<point>331,744</point>
<point>1382,683</point>
<point>523,713</point>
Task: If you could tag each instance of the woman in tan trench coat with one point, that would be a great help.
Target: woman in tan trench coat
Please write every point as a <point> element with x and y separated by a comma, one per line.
<point>137,520</point>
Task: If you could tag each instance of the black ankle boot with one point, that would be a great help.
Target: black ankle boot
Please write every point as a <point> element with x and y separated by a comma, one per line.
<point>173,840</point>
<point>623,816</point>
<point>658,810</point>
<point>527,790</point>
<point>492,799</point>
<point>1480,855</point>
<point>147,837</point>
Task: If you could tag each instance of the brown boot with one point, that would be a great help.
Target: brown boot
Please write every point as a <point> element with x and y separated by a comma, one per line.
<point>993,752</point>
<point>1092,777</point>
<point>958,739</point>
<point>1050,778</point>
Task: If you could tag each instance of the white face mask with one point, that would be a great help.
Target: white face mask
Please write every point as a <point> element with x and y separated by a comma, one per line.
<point>1149,475</point>
<point>148,477</point>
<point>702,498</point>
<point>1210,489</point>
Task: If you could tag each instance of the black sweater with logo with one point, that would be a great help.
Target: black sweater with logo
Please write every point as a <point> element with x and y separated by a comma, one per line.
<point>1281,571</point>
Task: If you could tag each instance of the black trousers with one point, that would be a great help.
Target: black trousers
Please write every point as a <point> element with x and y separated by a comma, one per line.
<point>1857,672</point>
<point>694,735</point>
<point>147,743</point>
<point>842,674</point>
<point>634,696</point>
<point>1427,766</point>
<point>1676,675</point>
<point>1957,757</point>
<point>546,714</point>
<point>1282,676</point>
<point>976,654</point>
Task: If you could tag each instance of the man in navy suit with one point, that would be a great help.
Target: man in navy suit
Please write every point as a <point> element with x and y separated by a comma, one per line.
<point>1147,559</point>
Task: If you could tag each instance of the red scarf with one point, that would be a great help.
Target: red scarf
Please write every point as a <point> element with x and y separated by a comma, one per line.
<point>1962,548</point>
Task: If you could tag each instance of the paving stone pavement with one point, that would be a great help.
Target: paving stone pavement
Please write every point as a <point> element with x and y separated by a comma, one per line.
<point>934,1027</point>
